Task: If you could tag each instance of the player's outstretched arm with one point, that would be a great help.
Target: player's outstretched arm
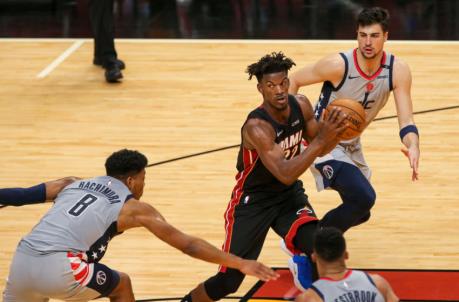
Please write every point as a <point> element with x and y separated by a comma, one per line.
<point>136,214</point>
<point>330,68</point>
<point>55,186</point>
<point>385,288</point>
<point>404,105</point>
<point>36,194</point>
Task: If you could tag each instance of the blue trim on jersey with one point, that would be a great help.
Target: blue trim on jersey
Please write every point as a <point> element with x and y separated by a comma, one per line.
<point>98,249</point>
<point>129,197</point>
<point>318,292</point>
<point>346,68</point>
<point>369,279</point>
<point>391,65</point>
<point>325,94</point>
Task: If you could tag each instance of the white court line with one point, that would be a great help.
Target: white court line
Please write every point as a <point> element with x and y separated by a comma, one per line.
<point>29,40</point>
<point>233,41</point>
<point>261,41</point>
<point>60,59</point>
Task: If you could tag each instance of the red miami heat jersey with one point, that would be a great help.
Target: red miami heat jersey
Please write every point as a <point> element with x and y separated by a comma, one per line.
<point>253,176</point>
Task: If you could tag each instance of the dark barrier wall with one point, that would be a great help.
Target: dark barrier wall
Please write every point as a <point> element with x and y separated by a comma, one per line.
<point>230,19</point>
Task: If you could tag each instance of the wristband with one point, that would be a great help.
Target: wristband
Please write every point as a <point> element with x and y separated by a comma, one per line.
<point>407,129</point>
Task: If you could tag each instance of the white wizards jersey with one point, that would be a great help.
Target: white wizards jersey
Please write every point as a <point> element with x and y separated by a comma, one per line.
<point>355,286</point>
<point>83,219</point>
<point>370,91</point>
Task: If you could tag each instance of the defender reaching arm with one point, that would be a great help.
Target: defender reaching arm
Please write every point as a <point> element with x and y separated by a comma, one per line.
<point>140,214</point>
<point>36,194</point>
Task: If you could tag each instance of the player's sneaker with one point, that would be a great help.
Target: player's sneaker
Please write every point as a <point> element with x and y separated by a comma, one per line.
<point>285,249</point>
<point>301,268</point>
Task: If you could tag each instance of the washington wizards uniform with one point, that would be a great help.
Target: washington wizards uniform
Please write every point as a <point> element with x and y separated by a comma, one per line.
<point>59,257</point>
<point>259,200</point>
<point>372,92</point>
<point>355,286</point>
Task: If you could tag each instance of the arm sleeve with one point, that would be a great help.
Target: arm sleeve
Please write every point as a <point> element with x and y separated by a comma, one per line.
<point>23,196</point>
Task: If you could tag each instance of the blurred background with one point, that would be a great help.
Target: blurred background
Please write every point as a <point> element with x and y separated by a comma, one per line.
<point>229,19</point>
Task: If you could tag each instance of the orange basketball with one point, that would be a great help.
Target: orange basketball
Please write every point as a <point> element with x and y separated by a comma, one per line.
<point>355,117</point>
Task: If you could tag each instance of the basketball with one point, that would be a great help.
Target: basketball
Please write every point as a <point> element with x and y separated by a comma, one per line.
<point>355,117</point>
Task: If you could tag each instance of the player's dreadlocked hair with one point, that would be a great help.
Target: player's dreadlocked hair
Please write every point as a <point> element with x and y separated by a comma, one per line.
<point>271,63</point>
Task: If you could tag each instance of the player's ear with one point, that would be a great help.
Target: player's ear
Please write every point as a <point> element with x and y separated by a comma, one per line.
<point>346,255</point>
<point>259,88</point>
<point>313,257</point>
<point>130,183</point>
<point>386,35</point>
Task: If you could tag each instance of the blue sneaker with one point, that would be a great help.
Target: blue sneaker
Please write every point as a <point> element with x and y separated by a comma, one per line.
<point>301,268</point>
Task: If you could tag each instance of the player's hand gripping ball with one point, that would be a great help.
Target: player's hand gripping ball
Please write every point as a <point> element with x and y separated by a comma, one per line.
<point>355,117</point>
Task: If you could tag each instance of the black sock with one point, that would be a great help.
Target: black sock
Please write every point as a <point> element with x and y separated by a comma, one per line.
<point>304,237</point>
<point>304,242</point>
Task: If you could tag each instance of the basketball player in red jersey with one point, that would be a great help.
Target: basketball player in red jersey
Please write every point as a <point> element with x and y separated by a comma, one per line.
<point>268,193</point>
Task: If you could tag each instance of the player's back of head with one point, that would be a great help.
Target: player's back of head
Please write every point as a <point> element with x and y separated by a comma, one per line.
<point>124,163</point>
<point>329,244</point>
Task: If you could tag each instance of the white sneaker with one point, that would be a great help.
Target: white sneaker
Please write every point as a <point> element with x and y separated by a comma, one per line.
<point>284,248</point>
<point>300,267</point>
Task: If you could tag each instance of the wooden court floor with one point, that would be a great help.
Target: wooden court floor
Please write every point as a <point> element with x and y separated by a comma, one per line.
<point>185,97</point>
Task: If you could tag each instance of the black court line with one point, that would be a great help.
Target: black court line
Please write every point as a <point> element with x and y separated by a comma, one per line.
<point>256,287</point>
<point>191,155</point>
<point>420,112</point>
<point>234,146</point>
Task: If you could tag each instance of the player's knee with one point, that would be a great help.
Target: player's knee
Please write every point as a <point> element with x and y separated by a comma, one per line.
<point>368,198</point>
<point>125,279</point>
<point>363,219</point>
<point>223,284</point>
<point>366,217</point>
<point>123,288</point>
<point>353,187</point>
<point>364,198</point>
